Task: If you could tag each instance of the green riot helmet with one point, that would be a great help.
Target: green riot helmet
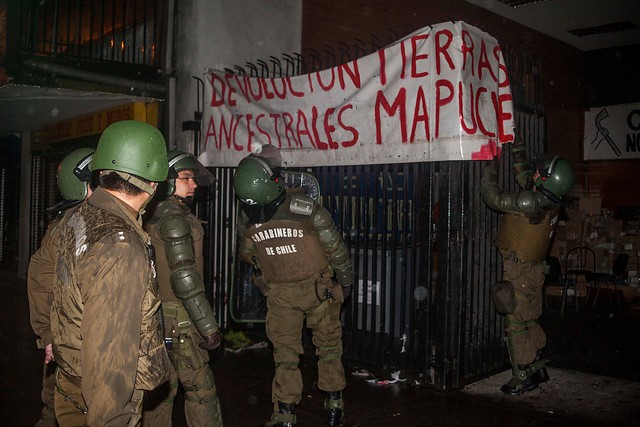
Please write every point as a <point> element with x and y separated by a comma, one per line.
<point>556,179</point>
<point>257,180</point>
<point>74,174</point>
<point>178,161</point>
<point>132,147</point>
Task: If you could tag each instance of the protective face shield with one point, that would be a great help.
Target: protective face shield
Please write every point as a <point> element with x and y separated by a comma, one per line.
<point>179,161</point>
<point>556,178</point>
<point>74,175</point>
<point>134,148</point>
<point>257,180</point>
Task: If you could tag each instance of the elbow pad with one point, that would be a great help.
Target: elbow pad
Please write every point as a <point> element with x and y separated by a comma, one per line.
<point>176,234</point>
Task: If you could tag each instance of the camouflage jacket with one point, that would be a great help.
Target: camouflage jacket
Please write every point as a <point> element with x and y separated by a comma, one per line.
<point>104,321</point>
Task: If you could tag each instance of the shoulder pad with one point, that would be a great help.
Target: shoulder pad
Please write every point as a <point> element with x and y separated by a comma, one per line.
<point>174,227</point>
<point>166,207</point>
<point>301,204</point>
<point>527,202</point>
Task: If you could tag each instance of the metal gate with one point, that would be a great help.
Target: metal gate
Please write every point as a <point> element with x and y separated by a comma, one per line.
<point>421,241</point>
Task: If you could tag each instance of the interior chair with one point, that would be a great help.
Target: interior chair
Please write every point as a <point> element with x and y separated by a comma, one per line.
<point>614,279</point>
<point>580,262</point>
<point>553,278</point>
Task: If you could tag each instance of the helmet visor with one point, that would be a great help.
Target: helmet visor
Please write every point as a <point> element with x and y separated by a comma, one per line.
<point>270,154</point>
<point>187,161</point>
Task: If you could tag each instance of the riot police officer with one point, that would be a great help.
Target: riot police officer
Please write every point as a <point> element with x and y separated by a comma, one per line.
<point>523,239</point>
<point>105,328</point>
<point>190,324</point>
<point>73,178</point>
<point>298,256</point>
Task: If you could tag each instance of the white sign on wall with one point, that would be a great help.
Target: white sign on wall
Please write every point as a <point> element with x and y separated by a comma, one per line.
<point>441,93</point>
<point>612,132</point>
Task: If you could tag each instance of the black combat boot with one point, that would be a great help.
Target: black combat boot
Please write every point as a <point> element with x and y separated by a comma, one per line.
<point>285,417</point>
<point>540,374</point>
<point>520,383</point>
<point>334,408</point>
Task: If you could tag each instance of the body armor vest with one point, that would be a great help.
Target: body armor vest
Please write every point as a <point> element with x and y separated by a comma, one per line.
<point>528,242</point>
<point>288,250</point>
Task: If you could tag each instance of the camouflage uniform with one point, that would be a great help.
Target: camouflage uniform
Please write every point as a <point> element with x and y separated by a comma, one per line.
<point>191,363</point>
<point>294,252</point>
<point>104,320</point>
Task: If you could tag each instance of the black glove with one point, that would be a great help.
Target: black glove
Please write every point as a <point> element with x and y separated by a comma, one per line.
<point>346,291</point>
<point>211,342</point>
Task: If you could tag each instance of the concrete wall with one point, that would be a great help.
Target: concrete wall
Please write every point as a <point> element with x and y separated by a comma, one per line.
<point>219,34</point>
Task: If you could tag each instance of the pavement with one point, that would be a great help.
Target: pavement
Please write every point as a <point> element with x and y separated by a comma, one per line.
<point>602,388</point>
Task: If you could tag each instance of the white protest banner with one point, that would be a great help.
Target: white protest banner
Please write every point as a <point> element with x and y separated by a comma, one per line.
<point>612,132</point>
<point>441,93</point>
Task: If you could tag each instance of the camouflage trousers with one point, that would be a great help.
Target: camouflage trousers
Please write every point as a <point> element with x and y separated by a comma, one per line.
<point>527,280</point>
<point>288,306</point>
